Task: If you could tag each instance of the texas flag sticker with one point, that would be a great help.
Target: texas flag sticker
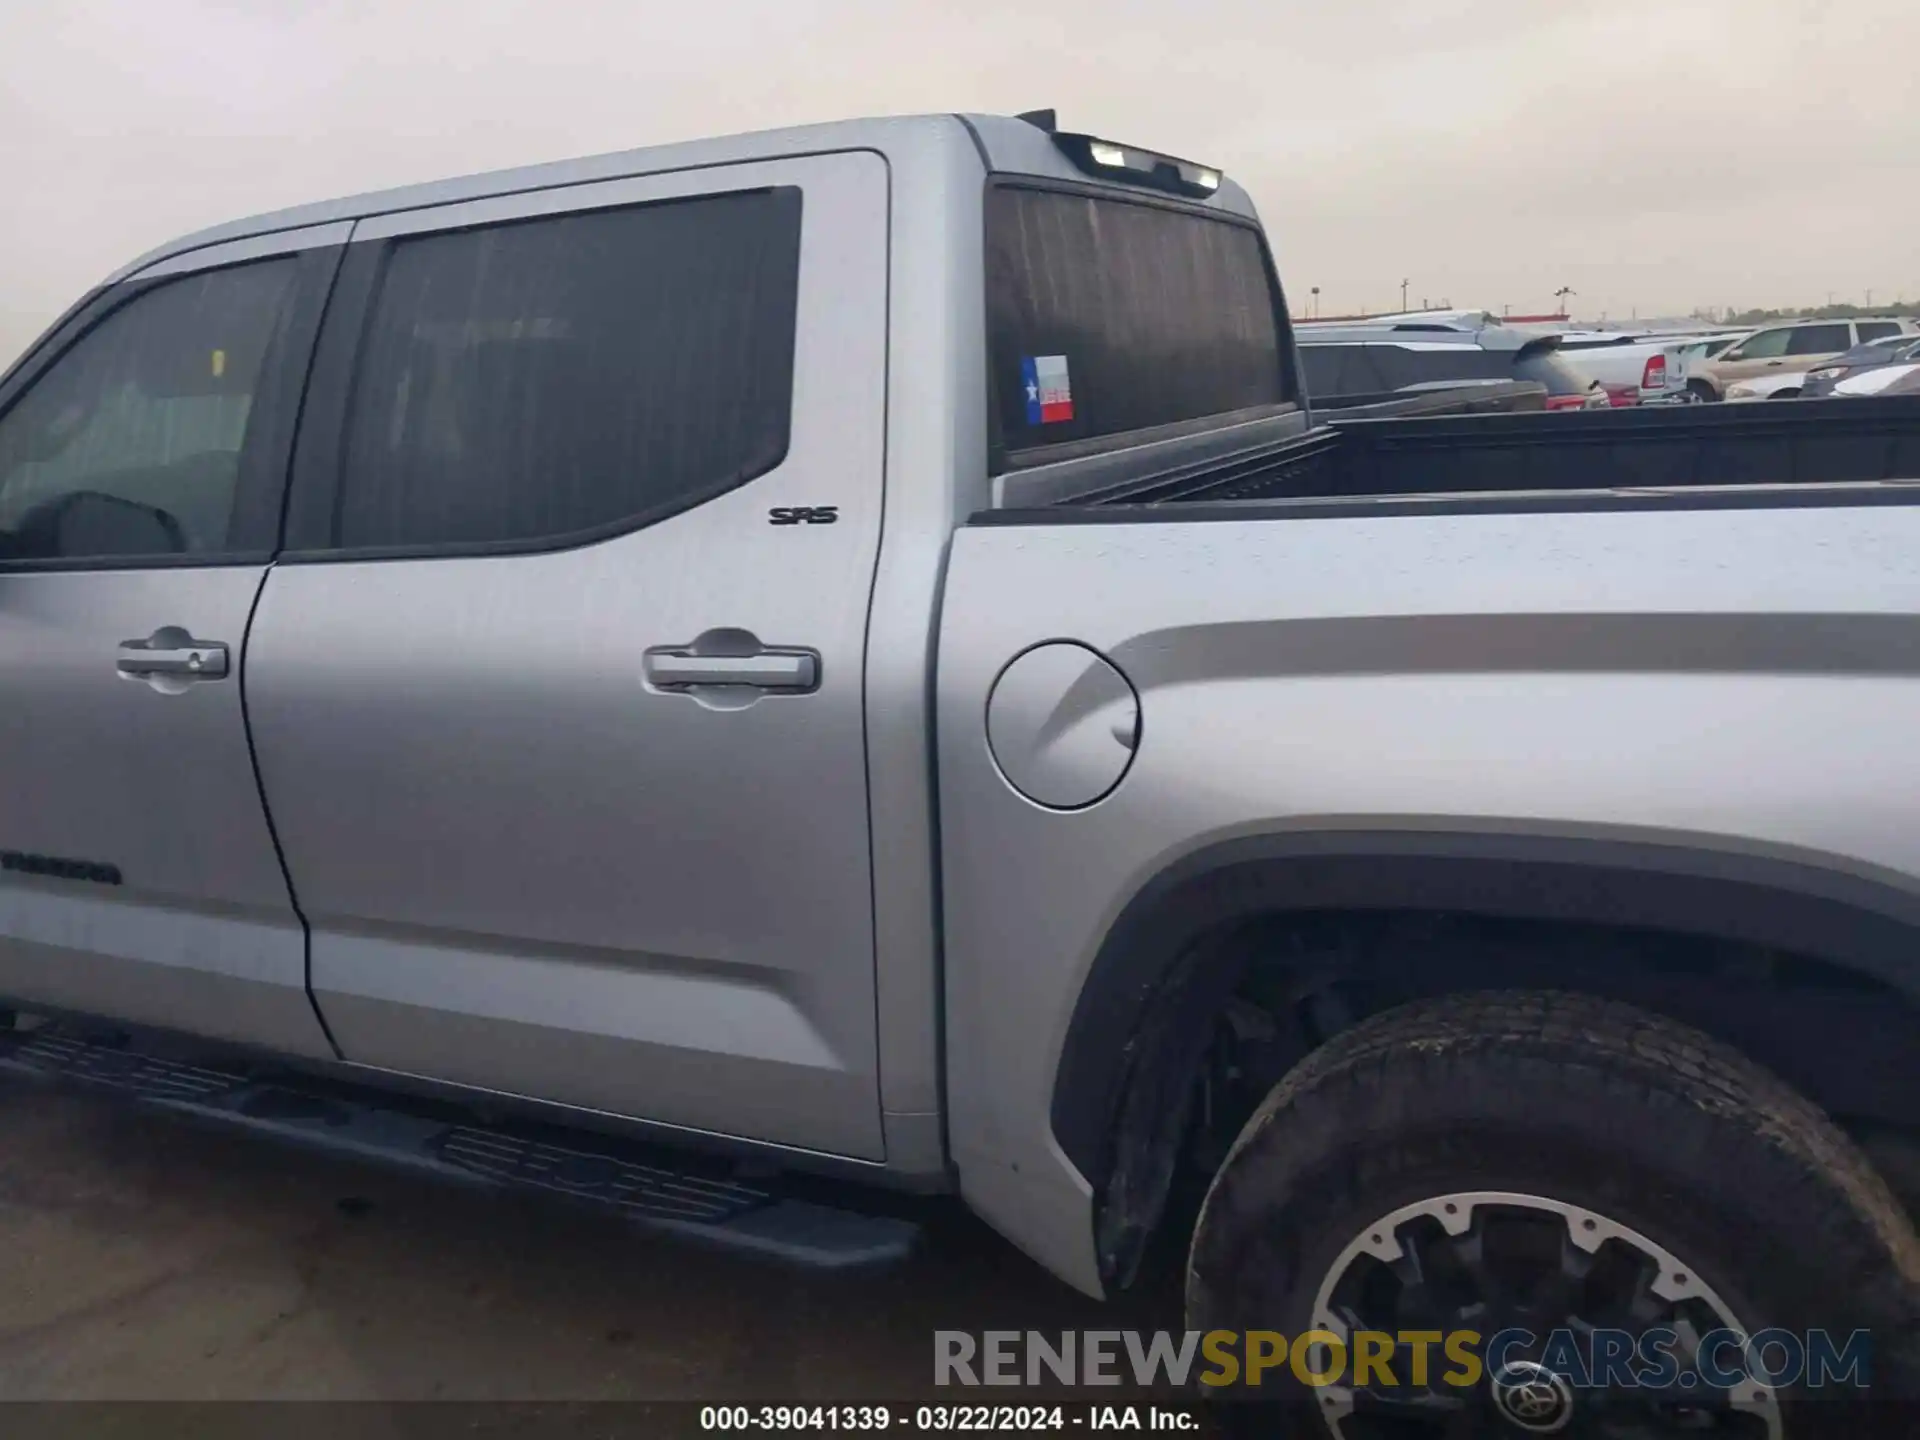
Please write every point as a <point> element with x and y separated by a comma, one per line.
<point>1049,392</point>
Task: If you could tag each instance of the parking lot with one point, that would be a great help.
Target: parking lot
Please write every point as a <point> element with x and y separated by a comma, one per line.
<point>142,1259</point>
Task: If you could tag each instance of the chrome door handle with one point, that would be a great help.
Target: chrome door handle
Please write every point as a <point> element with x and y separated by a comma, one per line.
<point>677,667</point>
<point>174,653</point>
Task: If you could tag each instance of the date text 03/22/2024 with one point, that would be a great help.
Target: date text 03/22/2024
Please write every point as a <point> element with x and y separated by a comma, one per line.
<point>964,1418</point>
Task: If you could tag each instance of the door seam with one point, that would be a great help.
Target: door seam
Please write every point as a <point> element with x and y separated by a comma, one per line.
<point>273,833</point>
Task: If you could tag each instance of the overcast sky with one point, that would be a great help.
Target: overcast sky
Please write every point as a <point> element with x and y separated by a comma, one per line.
<point>1652,155</point>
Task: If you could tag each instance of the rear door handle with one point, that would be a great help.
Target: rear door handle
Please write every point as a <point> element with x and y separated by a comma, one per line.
<point>172,653</point>
<point>676,667</point>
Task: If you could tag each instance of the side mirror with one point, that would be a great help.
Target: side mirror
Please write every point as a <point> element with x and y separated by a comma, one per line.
<point>89,523</point>
<point>48,438</point>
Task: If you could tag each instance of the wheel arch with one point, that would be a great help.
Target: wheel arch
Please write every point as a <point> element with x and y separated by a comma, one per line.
<point>1173,958</point>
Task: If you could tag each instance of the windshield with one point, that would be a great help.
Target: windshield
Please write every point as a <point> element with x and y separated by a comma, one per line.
<point>1109,316</point>
<point>1873,352</point>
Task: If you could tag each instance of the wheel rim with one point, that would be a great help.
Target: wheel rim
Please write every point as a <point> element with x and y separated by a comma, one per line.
<point>1493,1261</point>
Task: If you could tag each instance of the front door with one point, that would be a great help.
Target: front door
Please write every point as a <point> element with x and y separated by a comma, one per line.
<point>557,691</point>
<point>1761,354</point>
<point>142,459</point>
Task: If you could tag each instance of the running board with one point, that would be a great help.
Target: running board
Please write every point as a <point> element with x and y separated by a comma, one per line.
<point>646,1186</point>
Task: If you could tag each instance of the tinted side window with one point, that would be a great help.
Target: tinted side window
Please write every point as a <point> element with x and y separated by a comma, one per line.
<point>1876,329</point>
<point>1819,340</point>
<point>1323,369</point>
<point>132,443</point>
<point>555,377</point>
<point>1351,368</point>
<point>1374,369</point>
<point>1436,363</point>
<point>1108,315</point>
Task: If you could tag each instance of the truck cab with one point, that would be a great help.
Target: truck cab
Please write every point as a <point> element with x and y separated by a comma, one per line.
<point>480,633</point>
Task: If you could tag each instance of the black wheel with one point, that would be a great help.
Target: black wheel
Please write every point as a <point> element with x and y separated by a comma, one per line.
<point>1701,392</point>
<point>1609,1201</point>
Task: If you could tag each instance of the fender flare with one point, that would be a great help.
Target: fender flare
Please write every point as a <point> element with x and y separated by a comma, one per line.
<point>1791,901</point>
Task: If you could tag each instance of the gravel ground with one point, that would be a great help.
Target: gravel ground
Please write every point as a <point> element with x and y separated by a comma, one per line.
<point>144,1259</point>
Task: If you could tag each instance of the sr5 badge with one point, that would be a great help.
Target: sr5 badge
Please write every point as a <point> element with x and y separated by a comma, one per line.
<point>803,514</point>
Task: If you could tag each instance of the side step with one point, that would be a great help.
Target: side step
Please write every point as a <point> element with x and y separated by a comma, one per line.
<point>647,1185</point>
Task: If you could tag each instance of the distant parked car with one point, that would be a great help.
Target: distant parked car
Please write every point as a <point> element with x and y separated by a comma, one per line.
<point>1785,386</point>
<point>1884,379</point>
<point>1795,348</point>
<point>1390,353</point>
<point>1862,359</point>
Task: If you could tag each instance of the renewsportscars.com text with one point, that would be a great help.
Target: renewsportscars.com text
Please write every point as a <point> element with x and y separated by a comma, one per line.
<point>1422,1359</point>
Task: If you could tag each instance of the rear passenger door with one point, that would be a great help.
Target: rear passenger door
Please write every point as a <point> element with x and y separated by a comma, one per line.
<point>143,459</point>
<point>1810,343</point>
<point>556,692</point>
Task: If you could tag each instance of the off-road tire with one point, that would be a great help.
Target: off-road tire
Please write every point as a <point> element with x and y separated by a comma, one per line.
<point>1598,1105</point>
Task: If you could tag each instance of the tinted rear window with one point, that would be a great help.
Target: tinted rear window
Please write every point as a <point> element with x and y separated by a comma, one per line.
<point>1107,316</point>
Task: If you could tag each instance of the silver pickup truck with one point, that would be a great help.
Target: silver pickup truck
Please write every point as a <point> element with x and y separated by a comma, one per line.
<point>697,676</point>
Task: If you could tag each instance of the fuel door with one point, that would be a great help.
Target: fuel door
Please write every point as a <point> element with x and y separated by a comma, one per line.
<point>1062,724</point>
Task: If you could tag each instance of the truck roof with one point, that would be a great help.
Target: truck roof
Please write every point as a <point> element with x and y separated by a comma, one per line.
<point>1004,144</point>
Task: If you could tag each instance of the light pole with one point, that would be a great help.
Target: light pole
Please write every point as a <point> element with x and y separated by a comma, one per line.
<point>1316,302</point>
<point>1562,295</point>
<point>1403,297</point>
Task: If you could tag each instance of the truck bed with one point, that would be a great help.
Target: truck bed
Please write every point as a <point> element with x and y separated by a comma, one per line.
<point>1685,448</point>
